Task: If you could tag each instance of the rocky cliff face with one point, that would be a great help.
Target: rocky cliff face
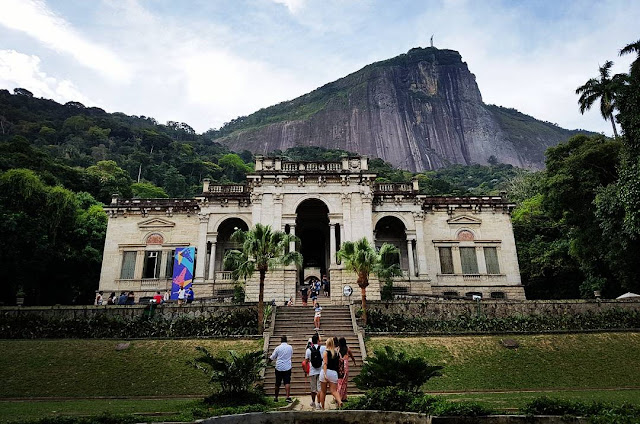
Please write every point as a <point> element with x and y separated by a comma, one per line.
<point>419,111</point>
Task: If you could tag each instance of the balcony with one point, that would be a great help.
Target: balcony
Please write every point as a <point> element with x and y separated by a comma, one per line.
<point>393,188</point>
<point>465,279</point>
<point>144,284</point>
<point>227,189</point>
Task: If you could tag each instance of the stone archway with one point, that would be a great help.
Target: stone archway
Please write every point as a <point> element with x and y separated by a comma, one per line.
<point>223,244</point>
<point>312,227</point>
<point>390,229</point>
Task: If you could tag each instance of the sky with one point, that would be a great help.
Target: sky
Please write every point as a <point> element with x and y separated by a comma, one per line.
<point>205,62</point>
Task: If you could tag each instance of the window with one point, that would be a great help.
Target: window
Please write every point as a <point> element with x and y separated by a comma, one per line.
<point>469,260</point>
<point>470,295</point>
<point>446,260</point>
<point>497,295</point>
<point>151,264</point>
<point>128,265</point>
<point>450,294</point>
<point>169,269</point>
<point>491,259</point>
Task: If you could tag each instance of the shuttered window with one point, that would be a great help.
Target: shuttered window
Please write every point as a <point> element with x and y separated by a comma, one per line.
<point>151,264</point>
<point>491,258</point>
<point>128,265</point>
<point>469,260</point>
<point>169,270</point>
<point>446,260</point>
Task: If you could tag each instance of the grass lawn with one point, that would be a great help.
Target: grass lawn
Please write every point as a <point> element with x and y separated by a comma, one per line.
<point>577,361</point>
<point>85,368</point>
<point>29,410</point>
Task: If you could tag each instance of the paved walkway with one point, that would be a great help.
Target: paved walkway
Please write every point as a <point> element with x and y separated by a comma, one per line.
<point>304,403</point>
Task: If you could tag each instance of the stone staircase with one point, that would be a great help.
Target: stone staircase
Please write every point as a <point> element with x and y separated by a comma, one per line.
<point>296,322</point>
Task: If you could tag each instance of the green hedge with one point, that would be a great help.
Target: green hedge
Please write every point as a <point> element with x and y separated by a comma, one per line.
<point>226,322</point>
<point>394,399</point>
<point>598,412</point>
<point>379,321</point>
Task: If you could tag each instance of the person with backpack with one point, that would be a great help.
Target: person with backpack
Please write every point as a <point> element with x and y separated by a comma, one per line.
<point>329,373</point>
<point>313,356</point>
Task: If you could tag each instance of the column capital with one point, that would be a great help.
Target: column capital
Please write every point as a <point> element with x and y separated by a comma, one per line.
<point>203,217</point>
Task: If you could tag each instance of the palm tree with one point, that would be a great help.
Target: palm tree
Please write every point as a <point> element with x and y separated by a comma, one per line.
<point>606,89</point>
<point>363,259</point>
<point>262,249</point>
<point>631,49</point>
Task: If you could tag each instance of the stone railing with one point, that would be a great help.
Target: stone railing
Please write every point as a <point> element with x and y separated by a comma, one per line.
<point>224,276</point>
<point>144,284</point>
<point>470,278</point>
<point>383,188</point>
<point>280,164</point>
<point>227,189</point>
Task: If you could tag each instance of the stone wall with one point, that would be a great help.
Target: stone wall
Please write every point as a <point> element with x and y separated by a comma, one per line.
<point>450,309</point>
<point>127,312</point>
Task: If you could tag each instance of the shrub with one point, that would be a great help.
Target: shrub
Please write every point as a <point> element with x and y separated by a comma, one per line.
<point>383,399</point>
<point>392,399</point>
<point>236,375</point>
<point>222,322</point>
<point>379,321</point>
<point>389,368</point>
<point>598,412</point>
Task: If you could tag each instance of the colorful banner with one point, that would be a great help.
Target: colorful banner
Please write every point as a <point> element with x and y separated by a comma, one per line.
<point>182,269</point>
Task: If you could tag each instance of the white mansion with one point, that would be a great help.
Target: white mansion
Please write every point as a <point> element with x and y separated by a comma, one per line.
<point>449,246</point>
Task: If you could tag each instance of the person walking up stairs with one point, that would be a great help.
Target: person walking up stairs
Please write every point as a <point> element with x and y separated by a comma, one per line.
<point>297,323</point>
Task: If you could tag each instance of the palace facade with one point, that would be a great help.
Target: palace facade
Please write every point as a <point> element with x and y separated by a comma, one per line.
<point>449,246</point>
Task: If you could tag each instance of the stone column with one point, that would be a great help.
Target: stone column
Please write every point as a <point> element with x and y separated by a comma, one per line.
<point>332,242</point>
<point>292,231</point>
<point>420,243</point>
<point>412,268</point>
<point>212,261</point>
<point>457,264</point>
<point>202,248</point>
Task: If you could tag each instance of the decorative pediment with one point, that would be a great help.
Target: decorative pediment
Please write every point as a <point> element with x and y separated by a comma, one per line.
<point>464,220</point>
<point>156,223</point>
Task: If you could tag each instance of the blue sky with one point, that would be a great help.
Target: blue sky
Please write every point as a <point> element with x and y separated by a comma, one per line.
<point>206,62</point>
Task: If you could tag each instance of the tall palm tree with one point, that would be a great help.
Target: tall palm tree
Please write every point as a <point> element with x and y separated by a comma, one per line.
<point>363,259</point>
<point>606,89</point>
<point>261,249</point>
<point>631,49</point>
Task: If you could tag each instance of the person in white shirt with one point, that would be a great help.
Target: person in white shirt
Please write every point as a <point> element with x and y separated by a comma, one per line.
<point>282,355</point>
<point>181,295</point>
<point>314,353</point>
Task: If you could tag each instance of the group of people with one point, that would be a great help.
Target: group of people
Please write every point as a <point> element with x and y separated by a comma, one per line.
<point>128,298</point>
<point>313,291</point>
<point>326,366</point>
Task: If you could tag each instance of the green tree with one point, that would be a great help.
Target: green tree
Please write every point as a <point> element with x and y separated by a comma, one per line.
<point>145,190</point>
<point>109,178</point>
<point>363,259</point>
<point>261,249</point>
<point>233,167</point>
<point>604,88</point>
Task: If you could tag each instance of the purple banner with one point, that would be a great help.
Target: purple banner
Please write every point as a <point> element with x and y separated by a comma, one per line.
<point>182,269</point>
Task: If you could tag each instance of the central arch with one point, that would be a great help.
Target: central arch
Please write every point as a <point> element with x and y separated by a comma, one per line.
<point>312,227</point>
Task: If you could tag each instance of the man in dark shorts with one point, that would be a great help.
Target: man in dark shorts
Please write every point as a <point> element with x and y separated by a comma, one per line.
<point>282,355</point>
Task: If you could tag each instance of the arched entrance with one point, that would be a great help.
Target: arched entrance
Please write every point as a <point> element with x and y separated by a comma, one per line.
<point>224,244</point>
<point>392,230</point>
<point>312,227</point>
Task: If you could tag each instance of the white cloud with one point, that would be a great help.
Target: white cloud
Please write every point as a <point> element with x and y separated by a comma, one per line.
<point>21,70</point>
<point>34,18</point>
<point>294,6</point>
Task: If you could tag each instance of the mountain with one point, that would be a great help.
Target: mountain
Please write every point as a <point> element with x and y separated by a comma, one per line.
<point>419,111</point>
